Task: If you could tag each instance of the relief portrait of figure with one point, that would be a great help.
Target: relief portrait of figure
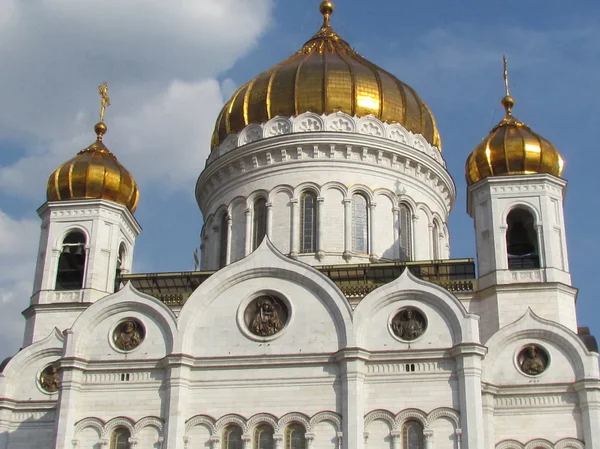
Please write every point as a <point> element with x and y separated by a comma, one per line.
<point>128,335</point>
<point>533,361</point>
<point>409,324</point>
<point>269,317</point>
<point>49,379</point>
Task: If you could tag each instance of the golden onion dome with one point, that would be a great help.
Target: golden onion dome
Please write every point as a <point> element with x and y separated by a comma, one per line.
<point>512,148</point>
<point>326,75</point>
<point>95,173</point>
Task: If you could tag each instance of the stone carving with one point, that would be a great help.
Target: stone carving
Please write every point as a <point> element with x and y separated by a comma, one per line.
<point>49,379</point>
<point>128,335</point>
<point>533,360</point>
<point>266,316</point>
<point>409,324</point>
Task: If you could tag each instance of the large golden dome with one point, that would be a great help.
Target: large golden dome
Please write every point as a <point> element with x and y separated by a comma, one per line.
<point>326,75</point>
<point>94,173</point>
<point>512,148</point>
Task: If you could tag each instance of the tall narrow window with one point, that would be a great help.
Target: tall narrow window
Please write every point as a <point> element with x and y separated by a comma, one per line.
<point>71,263</point>
<point>120,438</point>
<point>308,223</point>
<point>412,435</point>
<point>263,437</point>
<point>435,240</point>
<point>260,222</point>
<point>521,241</point>
<point>360,224</point>
<point>294,437</point>
<point>232,438</point>
<point>120,262</point>
<point>405,233</point>
<point>224,229</point>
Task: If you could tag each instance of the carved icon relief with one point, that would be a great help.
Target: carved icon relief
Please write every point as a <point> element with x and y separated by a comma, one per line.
<point>128,335</point>
<point>49,379</point>
<point>409,324</point>
<point>533,360</point>
<point>266,316</point>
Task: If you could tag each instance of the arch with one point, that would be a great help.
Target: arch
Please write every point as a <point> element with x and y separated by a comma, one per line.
<point>119,421</point>
<point>539,444</point>
<point>119,438</point>
<point>259,220</point>
<point>509,444</point>
<point>201,420</point>
<point>523,205</point>
<point>328,416</point>
<point>302,187</point>
<point>410,414</point>
<point>232,437</point>
<point>262,418</point>
<point>380,415</point>
<point>263,435</point>
<point>148,421</point>
<point>522,246</point>
<point>231,419</point>
<point>294,417</point>
<point>94,423</point>
<point>444,412</point>
<point>72,261</point>
<point>282,188</point>
<point>363,190</point>
<point>569,443</point>
<point>72,228</point>
<point>335,185</point>
<point>426,210</point>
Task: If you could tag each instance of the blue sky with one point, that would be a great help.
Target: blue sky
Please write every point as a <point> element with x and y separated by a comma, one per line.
<point>170,68</point>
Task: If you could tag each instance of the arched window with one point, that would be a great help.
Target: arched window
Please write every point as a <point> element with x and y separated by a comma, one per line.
<point>260,222</point>
<point>232,438</point>
<point>412,435</point>
<point>294,437</point>
<point>435,240</point>
<point>71,263</point>
<point>120,262</point>
<point>360,224</point>
<point>223,241</point>
<point>263,437</point>
<point>119,439</point>
<point>308,223</point>
<point>521,240</point>
<point>405,233</point>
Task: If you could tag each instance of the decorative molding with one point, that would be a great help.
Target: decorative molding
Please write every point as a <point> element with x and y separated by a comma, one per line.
<point>528,401</point>
<point>115,377</point>
<point>426,419</point>
<point>526,275</point>
<point>540,443</point>
<point>434,366</point>
<point>104,429</point>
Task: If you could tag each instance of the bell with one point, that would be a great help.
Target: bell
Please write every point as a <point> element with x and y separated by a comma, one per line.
<point>518,242</point>
<point>77,250</point>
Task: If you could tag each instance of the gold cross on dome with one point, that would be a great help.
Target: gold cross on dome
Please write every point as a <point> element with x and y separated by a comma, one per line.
<point>103,91</point>
<point>506,91</point>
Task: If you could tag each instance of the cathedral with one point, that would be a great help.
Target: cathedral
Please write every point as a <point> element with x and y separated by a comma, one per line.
<point>325,311</point>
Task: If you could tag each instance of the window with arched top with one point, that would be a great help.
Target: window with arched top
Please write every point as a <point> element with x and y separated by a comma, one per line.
<point>71,262</point>
<point>232,437</point>
<point>259,228</point>
<point>412,435</point>
<point>435,240</point>
<point>224,229</point>
<point>295,436</point>
<point>521,240</point>
<point>120,264</point>
<point>308,222</point>
<point>119,439</point>
<point>263,437</point>
<point>360,224</point>
<point>405,232</point>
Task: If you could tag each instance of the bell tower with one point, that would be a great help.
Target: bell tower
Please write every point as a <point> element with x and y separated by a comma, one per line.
<point>515,197</point>
<point>87,237</point>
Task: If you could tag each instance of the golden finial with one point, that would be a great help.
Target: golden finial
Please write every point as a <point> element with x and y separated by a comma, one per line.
<point>103,91</point>
<point>508,102</point>
<point>326,9</point>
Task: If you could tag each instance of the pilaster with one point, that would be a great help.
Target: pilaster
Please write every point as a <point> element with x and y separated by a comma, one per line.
<point>353,368</point>
<point>178,375</point>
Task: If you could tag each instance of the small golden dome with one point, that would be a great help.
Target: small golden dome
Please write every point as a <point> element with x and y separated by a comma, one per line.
<point>512,148</point>
<point>94,173</point>
<point>326,75</point>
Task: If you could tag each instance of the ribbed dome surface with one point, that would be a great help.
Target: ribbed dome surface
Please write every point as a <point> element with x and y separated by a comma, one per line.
<point>326,75</point>
<point>94,173</point>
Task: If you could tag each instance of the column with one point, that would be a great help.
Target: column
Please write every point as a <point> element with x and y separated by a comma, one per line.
<point>589,404</point>
<point>310,440</point>
<point>248,241</point>
<point>397,249</point>
<point>428,435</point>
<point>228,253</point>
<point>347,229</point>
<point>133,442</point>
<point>71,378</point>
<point>278,440</point>
<point>178,373</point>
<point>269,229</point>
<point>396,438</point>
<point>430,238</point>
<point>246,441</point>
<point>371,220</point>
<point>468,358</point>
<point>320,237</point>
<point>458,433</point>
<point>353,366</point>
<point>295,243</point>
<point>488,419</point>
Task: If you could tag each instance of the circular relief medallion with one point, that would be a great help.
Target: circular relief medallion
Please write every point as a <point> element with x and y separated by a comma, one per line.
<point>533,360</point>
<point>49,379</point>
<point>409,324</point>
<point>128,334</point>
<point>266,315</point>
